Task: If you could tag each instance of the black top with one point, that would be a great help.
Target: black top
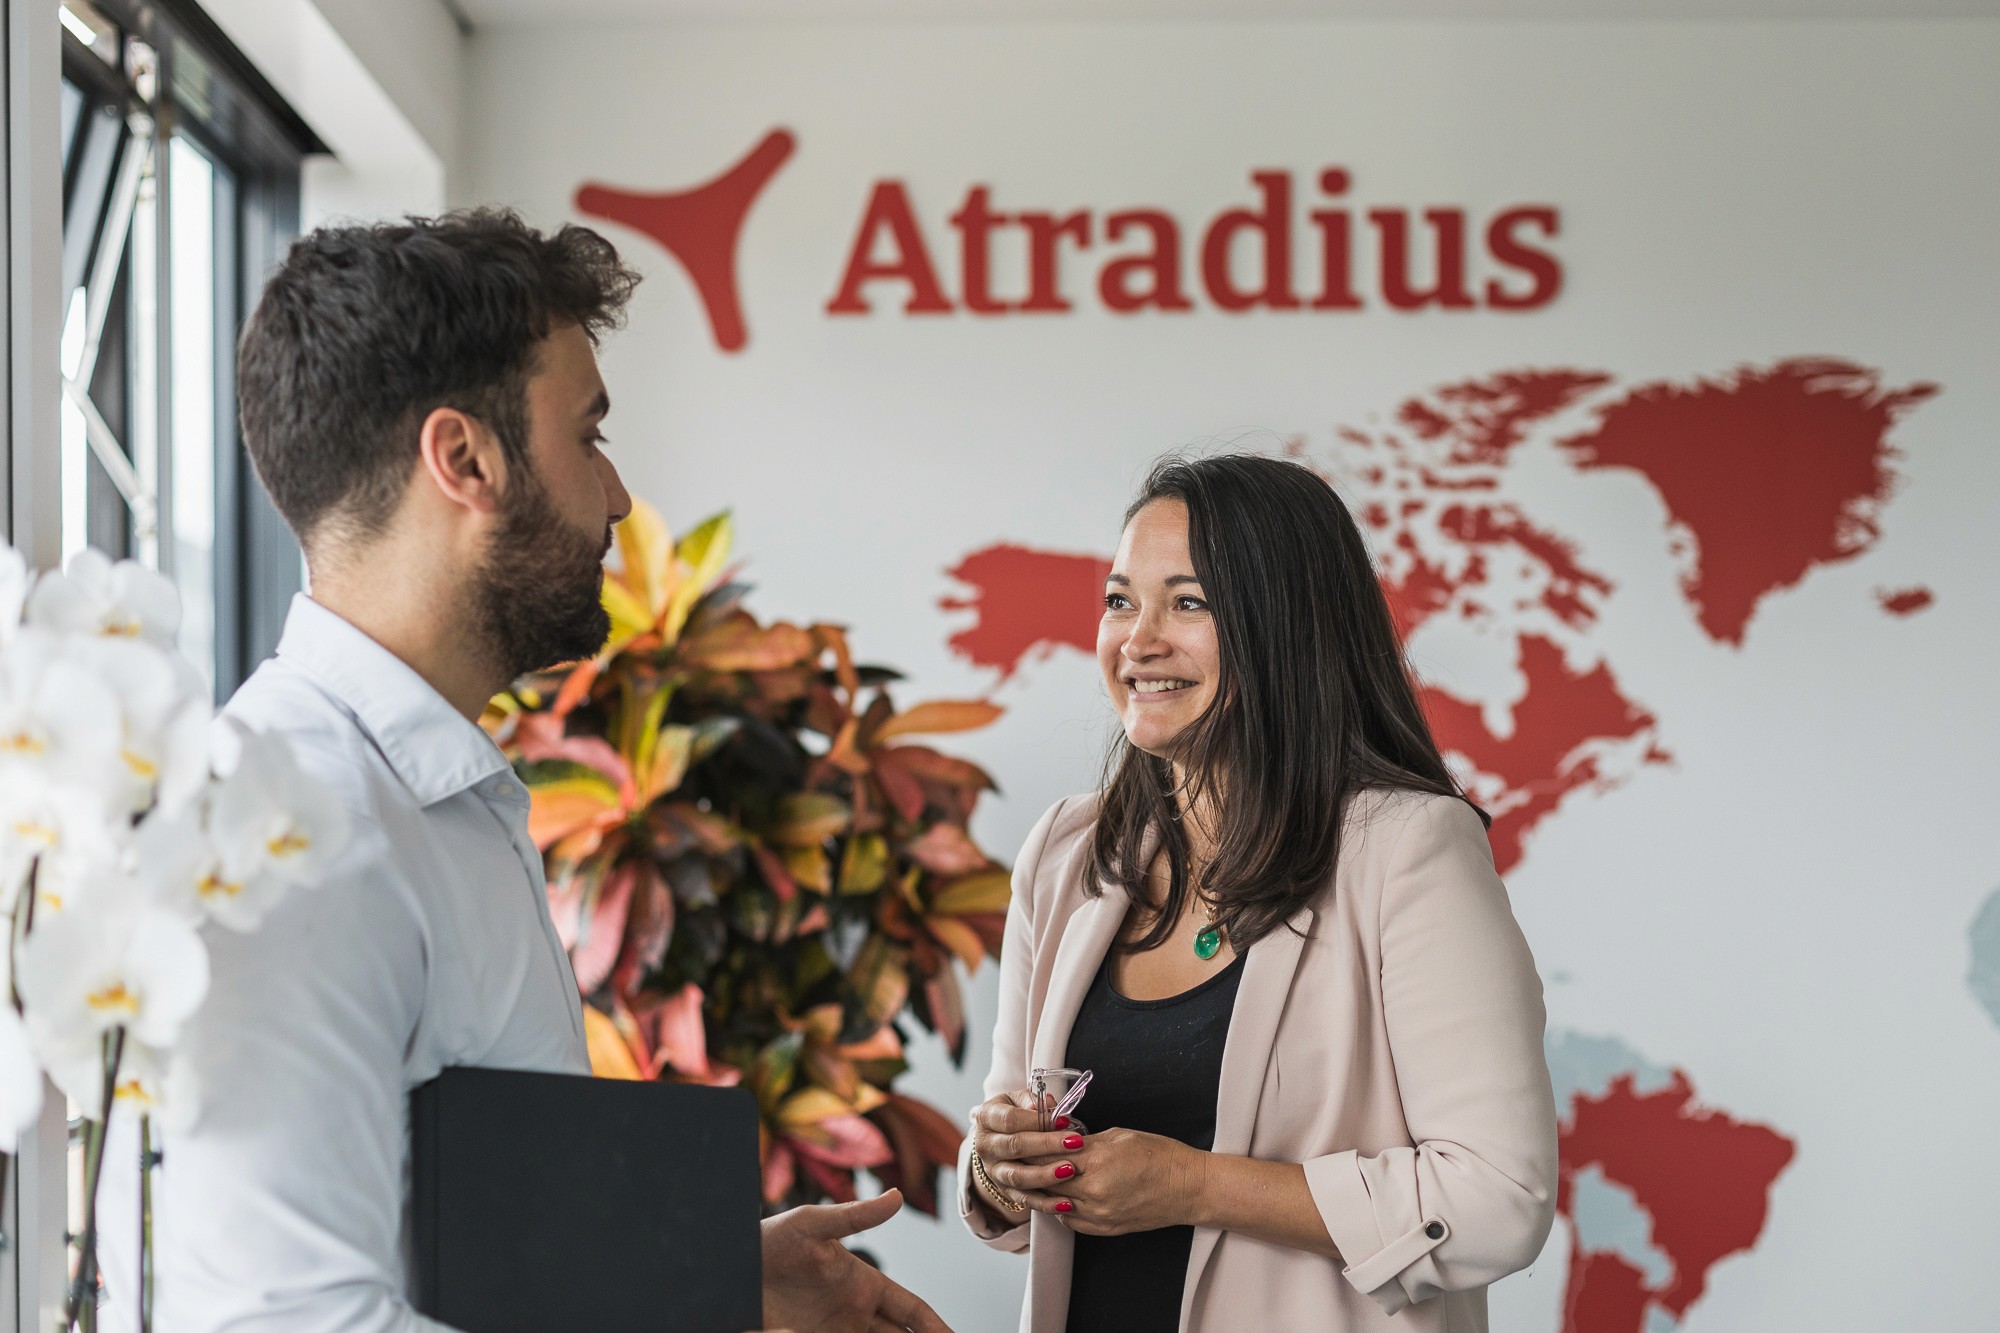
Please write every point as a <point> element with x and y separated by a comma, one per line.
<point>1159,1069</point>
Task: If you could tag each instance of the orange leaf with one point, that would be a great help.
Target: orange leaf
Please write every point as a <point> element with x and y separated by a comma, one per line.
<point>576,687</point>
<point>960,938</point>
<point>845,755</point>
<point>835,638</point>
<point>741,644</point>
<point>883,1045</point>
<point>558,809</point>
<point>940,715</point>
<point>610,1057</point>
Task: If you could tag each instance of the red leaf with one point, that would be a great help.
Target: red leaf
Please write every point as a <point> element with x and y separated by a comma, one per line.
<point>779,1172</point>
<point>938,1135</point>
<point>683,1038</point>
<point>604,932</point>
<point>947,1010</point>
<point>836,1184</point>
<point>540,736</point>
<point>775,874</point>
<point>923,762</point>
<point>904,792</point>
<point>945,849</point>
<point>843,1140</point>
<point>649,927</point>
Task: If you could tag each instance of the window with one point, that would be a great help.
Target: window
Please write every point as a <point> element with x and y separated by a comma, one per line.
<point>180,189</point>
<point>180,185</point>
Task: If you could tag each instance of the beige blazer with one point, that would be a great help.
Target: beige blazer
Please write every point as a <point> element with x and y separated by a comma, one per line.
<point>1390,1040</point>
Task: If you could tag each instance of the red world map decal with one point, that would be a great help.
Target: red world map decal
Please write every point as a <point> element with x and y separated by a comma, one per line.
<point>1763,474</point>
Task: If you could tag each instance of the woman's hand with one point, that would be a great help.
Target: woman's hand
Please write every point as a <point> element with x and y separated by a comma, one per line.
<point>1127,1181</point>
<point>1019,1156</point>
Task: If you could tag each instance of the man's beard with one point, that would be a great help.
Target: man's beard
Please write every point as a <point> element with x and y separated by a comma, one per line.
<point>540,588</point>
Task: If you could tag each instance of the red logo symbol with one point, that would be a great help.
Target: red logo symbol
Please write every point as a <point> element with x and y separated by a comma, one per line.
<point>699,227</point>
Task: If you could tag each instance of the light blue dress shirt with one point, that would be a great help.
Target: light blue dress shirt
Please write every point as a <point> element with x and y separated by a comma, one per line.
<point>283,1208</point>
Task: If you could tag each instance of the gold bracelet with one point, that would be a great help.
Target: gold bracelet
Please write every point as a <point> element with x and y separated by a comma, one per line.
<point>1007,1201</point>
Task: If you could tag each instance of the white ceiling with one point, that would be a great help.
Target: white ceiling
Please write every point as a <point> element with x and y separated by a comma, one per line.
<point>480,13</point>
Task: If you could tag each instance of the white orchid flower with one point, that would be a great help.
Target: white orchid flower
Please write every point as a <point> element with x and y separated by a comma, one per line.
<point>59,722</point>
<point>67,829</point>
<point>150,1081</point>
<point>178,862</point>
<point>96,595</point>
<point>14,580</point>
<point>20,1080</point>
<point>164,715</point>
<point>267,818</point>
<point>81,974</point>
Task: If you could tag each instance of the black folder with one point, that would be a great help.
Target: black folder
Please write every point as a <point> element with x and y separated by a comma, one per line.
<point>545,1203</point>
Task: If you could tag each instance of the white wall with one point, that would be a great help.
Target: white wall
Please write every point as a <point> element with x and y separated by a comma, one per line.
<point>1781,911</point>
<point>380,82</point>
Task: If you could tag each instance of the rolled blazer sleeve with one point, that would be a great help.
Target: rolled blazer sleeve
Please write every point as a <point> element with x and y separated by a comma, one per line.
<point>1010,1032</point>
<point>1473,1200</point>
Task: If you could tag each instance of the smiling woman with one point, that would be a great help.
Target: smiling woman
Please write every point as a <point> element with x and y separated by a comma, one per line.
<point>1276,939</point>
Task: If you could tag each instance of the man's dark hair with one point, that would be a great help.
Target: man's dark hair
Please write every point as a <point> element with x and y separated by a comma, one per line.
<point>366,330</point>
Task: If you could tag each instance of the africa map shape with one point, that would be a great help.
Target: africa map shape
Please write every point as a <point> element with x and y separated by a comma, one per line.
<point>1765,474</point>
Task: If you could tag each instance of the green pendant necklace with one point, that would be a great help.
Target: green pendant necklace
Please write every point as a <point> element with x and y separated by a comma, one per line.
<point>1209,938</point>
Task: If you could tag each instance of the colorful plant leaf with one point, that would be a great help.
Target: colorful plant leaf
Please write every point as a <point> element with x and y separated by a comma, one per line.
<point>559,808</point>
<point>940,715</point>
<point>610,1057</point>
<point>777,876</point>
<point>987,891</point>
<point>683,1039</point>
<point>603,933</point>
<point>809,818</point>
<point>961,939</point>
<point>703,551</point>
<point>946,849</point>
<point>905,793</point>
<point>864,865</point>
<point>810,868</point>
<point>739,643</point>
<point>646,554</point>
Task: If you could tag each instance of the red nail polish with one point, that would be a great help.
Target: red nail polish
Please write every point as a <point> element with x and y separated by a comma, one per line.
<point>1062,1122</point>
<point>1064,1170</point>
<point>1072,1141</point>
<point>1064,1205</point>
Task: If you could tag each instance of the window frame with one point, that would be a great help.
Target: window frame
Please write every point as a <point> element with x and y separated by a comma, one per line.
<point>207,92</point>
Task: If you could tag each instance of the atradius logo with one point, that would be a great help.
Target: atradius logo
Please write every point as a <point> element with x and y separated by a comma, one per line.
<point>1254,256</point>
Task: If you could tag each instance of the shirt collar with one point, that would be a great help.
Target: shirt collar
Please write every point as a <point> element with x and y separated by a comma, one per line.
<point>429,744</point>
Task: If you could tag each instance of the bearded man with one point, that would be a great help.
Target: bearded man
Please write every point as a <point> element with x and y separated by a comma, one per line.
<point>422,401</point>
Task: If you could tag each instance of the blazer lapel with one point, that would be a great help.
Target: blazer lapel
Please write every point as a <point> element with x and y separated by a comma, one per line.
<point>1086,938</point>
<point>1253,1030</point>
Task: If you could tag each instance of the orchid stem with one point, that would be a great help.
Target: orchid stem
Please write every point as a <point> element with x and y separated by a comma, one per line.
<point>145,1224</point>
<point>18,926</point>
<point>78,1308</point>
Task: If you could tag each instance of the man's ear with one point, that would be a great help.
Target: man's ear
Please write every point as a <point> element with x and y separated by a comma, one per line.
<point>462,459</point>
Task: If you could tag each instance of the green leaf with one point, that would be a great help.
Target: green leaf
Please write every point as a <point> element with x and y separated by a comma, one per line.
<point>865,865</point>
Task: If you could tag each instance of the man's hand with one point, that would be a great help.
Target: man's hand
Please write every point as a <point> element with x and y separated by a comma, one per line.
<point>813,1285</point>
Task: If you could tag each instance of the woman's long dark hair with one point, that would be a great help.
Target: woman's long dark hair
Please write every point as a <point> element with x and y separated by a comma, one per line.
<point>1314,702</point>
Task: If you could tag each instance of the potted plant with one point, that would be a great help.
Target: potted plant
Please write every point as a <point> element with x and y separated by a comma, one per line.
<point>760,877</point>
